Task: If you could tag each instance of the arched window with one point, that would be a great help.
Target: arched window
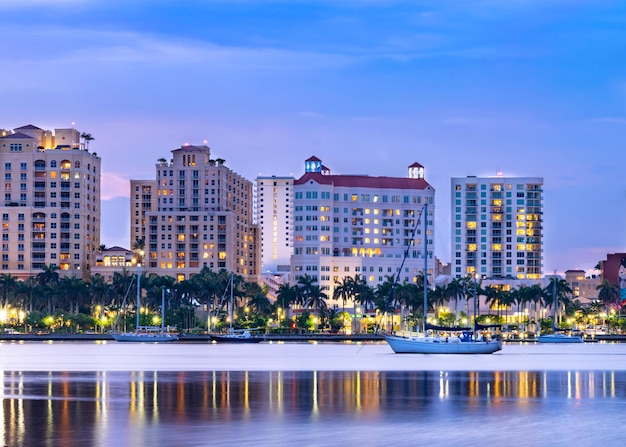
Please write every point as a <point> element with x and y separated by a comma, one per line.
<point>40,164</point>
<point>53,163</point>
<point>77,164</point>
<point>66,164</point>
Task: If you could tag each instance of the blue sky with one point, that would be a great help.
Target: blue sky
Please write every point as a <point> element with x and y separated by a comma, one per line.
<point>464,87</point>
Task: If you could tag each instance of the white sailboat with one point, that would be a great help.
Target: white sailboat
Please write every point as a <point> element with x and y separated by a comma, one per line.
<point>556,336</point>
<point>146,333</point>
<point>235,335</point>
<point>466,343</point>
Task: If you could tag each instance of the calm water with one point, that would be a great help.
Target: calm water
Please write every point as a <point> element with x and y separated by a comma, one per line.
<point>110,407</point>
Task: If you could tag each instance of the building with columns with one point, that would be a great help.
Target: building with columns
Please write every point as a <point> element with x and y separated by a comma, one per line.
<point>51,205</point>
<point>347,225</point>
<point>196,213</point>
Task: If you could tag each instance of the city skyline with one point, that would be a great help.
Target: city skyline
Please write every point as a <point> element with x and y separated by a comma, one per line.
<point>466,88</point>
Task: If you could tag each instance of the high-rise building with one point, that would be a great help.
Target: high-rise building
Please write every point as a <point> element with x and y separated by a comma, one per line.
<point>143,199</point>
<point>497,227</point>
<point>274,214</point>
<point>348,225</point>
<point>197,213</point>
<point>51,207</point>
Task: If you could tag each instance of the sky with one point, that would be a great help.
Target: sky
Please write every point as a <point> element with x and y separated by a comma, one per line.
<point>533,88</point>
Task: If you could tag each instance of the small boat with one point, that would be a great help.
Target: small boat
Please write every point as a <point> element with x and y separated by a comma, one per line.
<point>467,343</point>
<point>463,344</point>
<point>235,335</point>
<point>559,338</point>
<point>556,336</point>
<point>148,334</point>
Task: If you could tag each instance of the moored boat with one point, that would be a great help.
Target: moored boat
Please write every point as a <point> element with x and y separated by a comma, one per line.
<point>467,343</point>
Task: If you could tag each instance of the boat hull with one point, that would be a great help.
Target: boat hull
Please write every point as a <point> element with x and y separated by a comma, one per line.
<point>236,339</point>
<point>559,338</point>
<point>437,345</point>
<point>145,338</point>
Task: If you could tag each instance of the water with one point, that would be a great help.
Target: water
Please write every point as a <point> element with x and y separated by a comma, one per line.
<point>88,394</point>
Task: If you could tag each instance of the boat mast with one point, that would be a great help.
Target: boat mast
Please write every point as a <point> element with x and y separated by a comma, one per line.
<point>162,309</point>
<point>554,302</point>
<point>425,217</point>
<point>231,303</point>
<point>137,311</point>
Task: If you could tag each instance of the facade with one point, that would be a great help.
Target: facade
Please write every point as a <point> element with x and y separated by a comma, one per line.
<point>611,267</point>
<point>497,227</point>
<point>274,215</point>
<point>142,200</point>
<point>51,207</point>
<point>584,288</point>
<point>348,225</point>
<point>197,213</point>
<point>114,260</point>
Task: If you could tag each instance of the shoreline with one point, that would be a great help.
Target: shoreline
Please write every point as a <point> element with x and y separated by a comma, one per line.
<point>270,337</point>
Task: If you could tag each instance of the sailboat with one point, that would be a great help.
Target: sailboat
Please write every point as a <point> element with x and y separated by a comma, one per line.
<point>146,333</point>
<point>466,343</point>
<point>235,335</point>
<point>556,336</point>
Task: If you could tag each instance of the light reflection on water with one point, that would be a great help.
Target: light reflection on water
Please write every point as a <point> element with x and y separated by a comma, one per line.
<point>311,408</point>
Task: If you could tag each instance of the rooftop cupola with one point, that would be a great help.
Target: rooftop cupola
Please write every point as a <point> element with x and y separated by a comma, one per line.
<point>416,171</point>
<point>313,164</point>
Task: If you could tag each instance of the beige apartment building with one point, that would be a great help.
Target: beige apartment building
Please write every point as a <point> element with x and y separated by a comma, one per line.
<point>51,206</point>
<point>196,213</point>
<point>584,288</point>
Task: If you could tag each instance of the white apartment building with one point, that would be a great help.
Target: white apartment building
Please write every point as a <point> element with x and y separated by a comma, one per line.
<point>51,207</point>
<point>274,215</point>
<point>197,213</point>
<point>497,227</point>
<point>347,225</point>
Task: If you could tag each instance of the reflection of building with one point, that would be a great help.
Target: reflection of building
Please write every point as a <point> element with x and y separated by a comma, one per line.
<point>112,260</point>
<point>497,229</point>
<point>348,225</point>
<point>583,288</point>
<point>197,213</point>
<point>51,207</point>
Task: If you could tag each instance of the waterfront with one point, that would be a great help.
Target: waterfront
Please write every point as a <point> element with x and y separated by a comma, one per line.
<point>193,394</point>
<point>113,356</point>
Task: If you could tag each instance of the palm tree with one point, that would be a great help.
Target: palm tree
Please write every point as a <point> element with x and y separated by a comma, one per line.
<point>74,290</point>
<point>608,293</point>
<point>49,275</point>
<point>87,138</point>
<point>305,288</point>
<point>260,303</point>
<point>456,291</point>
<point>8,285</point>
<point>286,295</point>
<point>343,290</point>
<point>139,247</point>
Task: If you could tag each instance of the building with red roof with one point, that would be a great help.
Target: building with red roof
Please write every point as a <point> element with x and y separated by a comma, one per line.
<point>348,225</point>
